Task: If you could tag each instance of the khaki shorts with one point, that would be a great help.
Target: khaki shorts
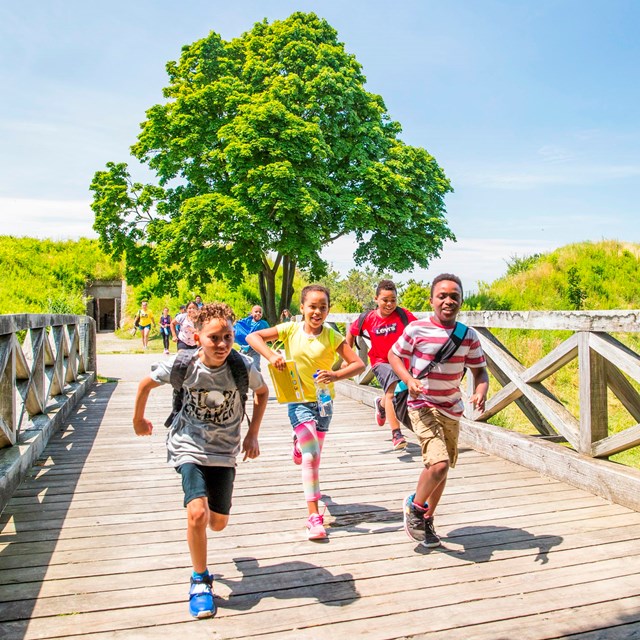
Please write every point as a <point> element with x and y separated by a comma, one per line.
<point>437,434</point>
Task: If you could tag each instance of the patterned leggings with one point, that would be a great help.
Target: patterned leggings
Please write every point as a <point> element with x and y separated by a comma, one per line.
<point>310,441</point>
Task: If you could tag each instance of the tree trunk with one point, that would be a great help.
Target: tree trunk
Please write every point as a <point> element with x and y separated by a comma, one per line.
<point>267,282</point>
<point>286,291</point>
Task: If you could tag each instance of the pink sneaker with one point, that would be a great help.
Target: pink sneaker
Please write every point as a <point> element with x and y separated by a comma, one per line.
<point>315,527</point>
<point>296,454</point>
<point>397,440</point>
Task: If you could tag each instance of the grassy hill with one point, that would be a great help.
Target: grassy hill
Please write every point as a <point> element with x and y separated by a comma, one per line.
<point>590,276</point>
<point>45,276</point>
<point>587,275</point>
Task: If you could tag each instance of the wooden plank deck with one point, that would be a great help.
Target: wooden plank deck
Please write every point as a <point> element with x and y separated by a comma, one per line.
<point>92,544</point>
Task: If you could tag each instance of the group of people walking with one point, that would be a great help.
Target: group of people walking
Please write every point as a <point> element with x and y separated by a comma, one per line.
<point>204,436</point>
<point>180,329</point>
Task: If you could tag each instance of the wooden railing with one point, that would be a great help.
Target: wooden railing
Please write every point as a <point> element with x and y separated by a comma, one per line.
<point>44,359</point>
<point>604,365</point>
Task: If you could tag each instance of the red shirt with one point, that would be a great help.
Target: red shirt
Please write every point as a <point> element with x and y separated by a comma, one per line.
<point>383,333</point>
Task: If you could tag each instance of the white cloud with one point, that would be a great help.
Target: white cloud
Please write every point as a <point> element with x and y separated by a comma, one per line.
<point>554,154</point>
<point>472,259</point>
<point>56,219</point>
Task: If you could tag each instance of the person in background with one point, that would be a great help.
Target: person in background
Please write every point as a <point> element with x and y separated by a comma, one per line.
<point>244,327</point>
<point>183,309</point>
<point>186,337</point>
<point>145,319</point>
<point>198,301</point>
<point>165,329</point>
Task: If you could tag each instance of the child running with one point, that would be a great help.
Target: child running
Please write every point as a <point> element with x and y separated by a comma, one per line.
<point>435,401</point>
<point>383,326</point>
<point>313,347</point>
<point>204,437</point>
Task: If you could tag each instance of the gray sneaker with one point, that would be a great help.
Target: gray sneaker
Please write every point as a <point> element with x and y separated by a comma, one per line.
<point>430,539</point>
<point>413,519</point>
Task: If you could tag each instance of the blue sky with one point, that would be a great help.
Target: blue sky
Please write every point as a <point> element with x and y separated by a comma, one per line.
<point>531,108</point>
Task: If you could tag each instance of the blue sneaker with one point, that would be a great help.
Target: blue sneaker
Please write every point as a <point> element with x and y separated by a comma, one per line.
<point>201,604</point>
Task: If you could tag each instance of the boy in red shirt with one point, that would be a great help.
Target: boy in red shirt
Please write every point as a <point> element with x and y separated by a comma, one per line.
<point>383,326</point>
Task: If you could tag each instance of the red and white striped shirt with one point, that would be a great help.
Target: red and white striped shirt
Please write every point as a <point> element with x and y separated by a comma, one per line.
<point>419,343</point>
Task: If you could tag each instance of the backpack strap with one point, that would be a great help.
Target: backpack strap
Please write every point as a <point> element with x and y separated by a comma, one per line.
<point>403,315</point>
<point>241,377</point>
<point>359,323</point>
<point>178,373</point>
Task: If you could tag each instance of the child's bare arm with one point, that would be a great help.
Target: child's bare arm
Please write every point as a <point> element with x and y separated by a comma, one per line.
<point>141,425</point>
<point>397,364</point>
<point>350,339</point>
<point>352,367</point>
<point>258,342</point>
<point>481,386</point>
<point>250,446</point>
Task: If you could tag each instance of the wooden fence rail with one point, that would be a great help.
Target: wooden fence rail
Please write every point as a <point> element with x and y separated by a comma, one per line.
<point>47,363</point>
<point>604,364</point>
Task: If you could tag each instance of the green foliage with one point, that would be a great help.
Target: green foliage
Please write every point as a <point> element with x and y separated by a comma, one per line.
<point>588,275</point>
<point>516,264</point>
<point>266,150</point>
<point>484,299</point>
<point>45,276</point>
<point>354,293</point>
<point>575,293</point>
<point>415,296</point>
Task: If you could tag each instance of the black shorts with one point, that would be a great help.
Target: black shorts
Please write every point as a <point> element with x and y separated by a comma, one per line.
<point>213,483</point>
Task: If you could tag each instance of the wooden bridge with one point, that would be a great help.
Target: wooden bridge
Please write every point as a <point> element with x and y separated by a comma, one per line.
<point>92,542</point>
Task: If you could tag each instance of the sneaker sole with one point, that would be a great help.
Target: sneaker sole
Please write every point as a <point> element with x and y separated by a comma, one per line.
<point>317,537</point>
<point>400,446</point>
<point>203,614</point>
<point>431,545</point>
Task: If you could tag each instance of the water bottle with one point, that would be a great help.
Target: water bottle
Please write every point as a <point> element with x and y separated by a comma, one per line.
<point>323,395</point>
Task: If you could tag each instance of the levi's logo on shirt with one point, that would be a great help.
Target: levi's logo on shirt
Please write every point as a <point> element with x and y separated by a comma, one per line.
<point>386,330</point>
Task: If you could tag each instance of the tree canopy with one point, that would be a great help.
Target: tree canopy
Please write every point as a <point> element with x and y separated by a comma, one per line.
<point>267,149</point>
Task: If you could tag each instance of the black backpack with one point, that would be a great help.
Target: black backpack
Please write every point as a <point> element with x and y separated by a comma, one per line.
<point>179,373</point>
<point>363,316</point>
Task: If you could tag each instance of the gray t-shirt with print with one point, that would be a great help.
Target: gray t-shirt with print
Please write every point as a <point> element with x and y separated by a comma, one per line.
<point>206,431</point>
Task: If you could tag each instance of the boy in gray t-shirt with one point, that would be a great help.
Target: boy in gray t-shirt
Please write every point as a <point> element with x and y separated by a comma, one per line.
<point>204,438</point>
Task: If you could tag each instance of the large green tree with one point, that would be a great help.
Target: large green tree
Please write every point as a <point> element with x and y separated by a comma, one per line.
<point>267,149</point>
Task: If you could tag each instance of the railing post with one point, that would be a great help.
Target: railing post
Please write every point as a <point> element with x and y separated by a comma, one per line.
<point>7,392</point>
<point>593,395</point>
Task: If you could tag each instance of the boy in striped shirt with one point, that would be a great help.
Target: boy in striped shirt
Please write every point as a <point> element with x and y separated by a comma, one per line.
<point>435,402</point>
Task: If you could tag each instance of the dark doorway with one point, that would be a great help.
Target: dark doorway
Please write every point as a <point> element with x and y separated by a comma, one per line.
<point>106,319</point>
